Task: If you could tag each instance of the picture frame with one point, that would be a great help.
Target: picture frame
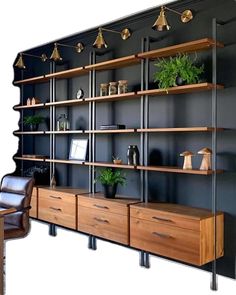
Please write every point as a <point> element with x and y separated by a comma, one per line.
<point>78,149</point>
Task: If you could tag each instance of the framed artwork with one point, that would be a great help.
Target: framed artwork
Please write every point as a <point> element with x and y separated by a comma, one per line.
<point>78,149</point>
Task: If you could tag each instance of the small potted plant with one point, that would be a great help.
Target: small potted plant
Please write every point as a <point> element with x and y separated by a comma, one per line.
<point>33,122</point>
<point>117,160</point>
<point>110,179</point>
<point>177,71</point>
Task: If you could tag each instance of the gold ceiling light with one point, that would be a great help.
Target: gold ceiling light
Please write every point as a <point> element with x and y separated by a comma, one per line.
<point>20,62</point>
<point>161,23</point>
<point>100,41</point>
<point>79,47</point>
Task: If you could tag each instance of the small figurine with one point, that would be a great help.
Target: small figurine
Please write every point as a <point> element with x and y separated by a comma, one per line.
<point>28,103</point>
<point>187,160</point>
<point>206,159</point>
<point>117,160</point>
<point>35,101</point>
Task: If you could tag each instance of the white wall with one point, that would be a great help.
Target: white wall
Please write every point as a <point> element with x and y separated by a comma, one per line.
<point>40,264</point>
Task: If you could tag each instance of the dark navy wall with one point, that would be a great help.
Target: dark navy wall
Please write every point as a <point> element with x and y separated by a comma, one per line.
<point>165,111</point>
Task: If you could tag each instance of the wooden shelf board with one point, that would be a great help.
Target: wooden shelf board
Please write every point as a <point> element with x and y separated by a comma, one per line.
<point>197,45</point>
<point>30,159</point>
<point>35,106</point>
<point>65,132</point>
<point>124,96</point>
<point>65,102</point>
<point>114,63</point>
<point>61,161</point>
<point>181,129</point>
<point>39,79</point>
<point>68,73</point>
<point>112,131</point>
<point>181,89</point>
<point>29,132</point>
<point>111,165</point>
<point>176,170</point>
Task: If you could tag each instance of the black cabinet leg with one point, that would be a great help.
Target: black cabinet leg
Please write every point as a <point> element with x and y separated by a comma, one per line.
<point>92,242</point>
<point>52,230</point>
<point>214,286</point>
<point>144,260</point>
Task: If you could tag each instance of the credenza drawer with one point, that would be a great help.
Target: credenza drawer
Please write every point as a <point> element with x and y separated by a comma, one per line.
<point>165,240</point>
<point>104,224</point>
<point>103,205</point>
<point>164,217</point>
<point>57,207</point>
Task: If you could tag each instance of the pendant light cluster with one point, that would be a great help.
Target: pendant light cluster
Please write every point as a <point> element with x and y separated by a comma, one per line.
<point>161,24</point>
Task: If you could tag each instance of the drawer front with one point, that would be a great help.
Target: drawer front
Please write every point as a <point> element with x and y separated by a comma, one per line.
<point>163,217</point>
<point>56,196</point>
<point>35,191</point>
<point>104,224</point>
<point>103,205</point>
<point>59,211</point>
<point>170,241</point>
<point>33,204</point>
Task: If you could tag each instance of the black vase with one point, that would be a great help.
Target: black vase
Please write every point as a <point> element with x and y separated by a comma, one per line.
<point>110,191</point>
<point>179,81</point>
<point>133,155</point>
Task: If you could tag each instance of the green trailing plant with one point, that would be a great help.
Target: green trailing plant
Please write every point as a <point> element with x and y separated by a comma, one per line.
<point>33,120</point>
<point>181,66</point>
<point>111,177</point>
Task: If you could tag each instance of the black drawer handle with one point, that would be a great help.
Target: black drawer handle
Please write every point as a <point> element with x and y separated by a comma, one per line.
<point>100,206</point>
<point>162,235</point>
<point>55,209</point>
<point>161,219</point>
<point>54,197</point>
<point>101,220</point>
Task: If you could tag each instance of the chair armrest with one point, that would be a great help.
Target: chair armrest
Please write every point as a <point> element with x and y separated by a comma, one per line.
<point>13,210</point>
<point>7,211</point>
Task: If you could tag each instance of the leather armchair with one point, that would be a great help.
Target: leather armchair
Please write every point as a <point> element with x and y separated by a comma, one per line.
<point>15,197</point>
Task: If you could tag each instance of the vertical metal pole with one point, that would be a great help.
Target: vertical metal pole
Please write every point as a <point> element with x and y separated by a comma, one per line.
<point>90,125</point>
<point>94,122</point>
<point>22,123</point>
<point>214,148</point>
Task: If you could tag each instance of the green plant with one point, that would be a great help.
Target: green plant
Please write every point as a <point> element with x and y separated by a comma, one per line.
<point>110,177</point>
<point>33,120</point>
<point>179,66</point>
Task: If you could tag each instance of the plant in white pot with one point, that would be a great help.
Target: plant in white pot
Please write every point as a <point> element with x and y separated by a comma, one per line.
<point>110,179</point>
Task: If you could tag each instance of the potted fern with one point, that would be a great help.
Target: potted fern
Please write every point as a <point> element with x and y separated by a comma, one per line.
<point>177,71</point>
<point>110,179</point>
<point>33,122</point>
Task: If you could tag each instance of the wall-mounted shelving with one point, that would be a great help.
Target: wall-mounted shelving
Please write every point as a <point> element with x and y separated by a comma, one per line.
<point>35,106</point>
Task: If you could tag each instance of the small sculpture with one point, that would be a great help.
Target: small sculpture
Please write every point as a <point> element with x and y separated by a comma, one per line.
<point>35,100</point>
<point>187,160</point>
<point>117,160</point>
<point>206,159</point>
<point>28,103</point>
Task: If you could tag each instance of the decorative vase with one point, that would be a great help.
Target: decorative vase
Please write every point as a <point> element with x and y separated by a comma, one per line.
<point>110,191</point>
<point>179,81</point>
<point>133,155</point>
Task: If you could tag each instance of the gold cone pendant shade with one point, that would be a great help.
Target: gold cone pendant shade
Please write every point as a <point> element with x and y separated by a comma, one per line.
<point>20,62</point>
<point>56,54</point>
<point>100,41</point>
<point>161,23</point>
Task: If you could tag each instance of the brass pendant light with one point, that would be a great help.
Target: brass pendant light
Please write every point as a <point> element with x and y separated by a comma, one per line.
<point>20,62</point>
<point>100,41</point>
<point>56,54</point>
<point>161,23</point>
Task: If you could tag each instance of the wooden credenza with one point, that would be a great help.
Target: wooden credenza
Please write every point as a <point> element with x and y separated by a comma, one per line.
<point>174,231</point>
<point>179,232</point>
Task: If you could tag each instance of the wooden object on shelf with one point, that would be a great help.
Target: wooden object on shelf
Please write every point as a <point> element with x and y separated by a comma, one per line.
<point>114,63</point>
<point>105,218</point>
<point>21,107</point>
<point>69,102</point>
<point>29,132</point>
<point>58,205</point>
<point>34,203</point>
<point>181,89</point>
<point>192,46</point>
<point>67,73</point>
<point>178,232</point>
<point>115,97</point>
<point>35,101</point>
<point>28,102</point>
<point>187,160</point>
<point>206,159</point>
<point>32,80</point>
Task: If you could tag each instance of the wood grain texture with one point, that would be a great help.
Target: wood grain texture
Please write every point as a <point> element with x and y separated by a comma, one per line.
<point>29,132</point>
<point>180,129</point>
<point>181,89</point>
<point>111,131</point>
<point>61,161</point>
<point>57,207</point>
<point>34,207</point>
<point>114,63</point>
<point>115,97</point>
<point>29,159</point>
<point>107,164</point>
<point>114,227</point>
<point>64,132</point>
<point>70,102</point>
<point>62,191</point>
<point>32,80</point>
<point>35,106</point>
<point>192,46</point>
<point>67,73</point>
